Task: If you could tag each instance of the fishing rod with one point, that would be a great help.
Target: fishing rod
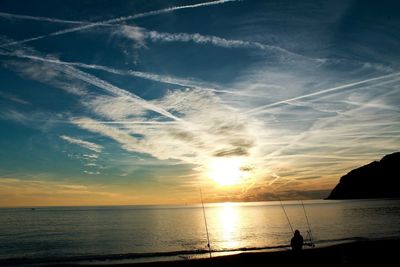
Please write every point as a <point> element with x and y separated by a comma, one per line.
<point>205,222</point>
<point>309,232</point>
<point>308,225</point>
<point>287,217</point>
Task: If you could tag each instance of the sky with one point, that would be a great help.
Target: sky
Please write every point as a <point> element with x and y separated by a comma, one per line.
<point>147,102</point>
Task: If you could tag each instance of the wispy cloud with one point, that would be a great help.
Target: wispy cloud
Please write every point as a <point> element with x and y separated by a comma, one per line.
<point>125,139</point>
<point>13,98</point>
<point>294,121</point>
<point>139,35</point>
<point>204,132</point>
<point>86,144</point>
<point>14,116</point>
<point>209,127</point>
<point>50,73</point>
<point>114,90</point>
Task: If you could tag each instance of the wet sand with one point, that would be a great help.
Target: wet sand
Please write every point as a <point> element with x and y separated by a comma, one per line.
<point>360,253</point>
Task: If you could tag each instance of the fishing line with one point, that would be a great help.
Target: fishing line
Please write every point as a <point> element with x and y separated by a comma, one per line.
<point>205,222</point>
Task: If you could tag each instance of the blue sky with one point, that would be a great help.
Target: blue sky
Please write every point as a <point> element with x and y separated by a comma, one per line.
<point>137,102</point>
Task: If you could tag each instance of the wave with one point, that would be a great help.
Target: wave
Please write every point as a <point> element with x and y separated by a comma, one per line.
<point>342,240</point>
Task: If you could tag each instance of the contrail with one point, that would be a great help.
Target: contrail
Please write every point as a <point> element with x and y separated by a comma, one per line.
<point>93,80</point>
<point>17,16</point>
<point>258,109</point>
<point>159,36</point>
<point>116,20</point>
<point>83,76</point>
<point>217,41</point>
<point>139,74</point>
<point>163,36</point>
<point>86,144</point>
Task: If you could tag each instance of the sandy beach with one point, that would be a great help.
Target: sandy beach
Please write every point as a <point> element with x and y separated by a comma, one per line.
<point>360,253</point>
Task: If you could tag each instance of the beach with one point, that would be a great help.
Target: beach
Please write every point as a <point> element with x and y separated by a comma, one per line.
<point>358,253</point>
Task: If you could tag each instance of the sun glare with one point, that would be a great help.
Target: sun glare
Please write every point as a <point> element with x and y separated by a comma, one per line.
<point>226,171</point>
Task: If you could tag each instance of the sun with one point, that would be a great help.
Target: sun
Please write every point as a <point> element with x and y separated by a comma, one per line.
<point>226,171</point>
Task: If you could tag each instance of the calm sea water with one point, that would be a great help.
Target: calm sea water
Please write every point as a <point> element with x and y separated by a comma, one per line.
<point>133,231</point>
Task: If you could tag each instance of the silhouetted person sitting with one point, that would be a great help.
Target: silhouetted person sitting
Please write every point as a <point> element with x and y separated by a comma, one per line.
<point>297,241</point>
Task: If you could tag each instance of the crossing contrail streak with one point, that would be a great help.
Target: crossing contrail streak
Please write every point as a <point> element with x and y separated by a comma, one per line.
<point>139,74</point>
<point>163,36</point>
<point>116,20</point>
<point>154,35</point>
<point>99,83</point>
<point>336,88</point>
<point>54,20</point>
<point>83,76</point>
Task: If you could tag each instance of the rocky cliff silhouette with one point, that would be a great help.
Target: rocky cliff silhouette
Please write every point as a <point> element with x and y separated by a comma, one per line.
<point>378,179</point>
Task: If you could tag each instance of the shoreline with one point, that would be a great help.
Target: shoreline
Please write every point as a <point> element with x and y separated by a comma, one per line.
<point>350,253</point>
<point>356,253</point>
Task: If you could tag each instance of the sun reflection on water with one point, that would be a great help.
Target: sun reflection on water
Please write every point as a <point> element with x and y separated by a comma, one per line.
<point>228,221</point>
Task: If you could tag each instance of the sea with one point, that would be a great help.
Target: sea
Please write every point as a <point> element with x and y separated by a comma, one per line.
<point>123,234</point>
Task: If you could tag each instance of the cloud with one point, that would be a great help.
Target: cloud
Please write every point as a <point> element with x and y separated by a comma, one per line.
<point>86,144</point>
<point>14,98</point>
<point>205,127</point>
<point>91,173</point>
<point>295,124</point>
<point>139,35</point>
<point>215,40</point>
<point>127,141</point>
<point>116,108</point>
<point>196,125</point>
<point>93,80</point>
<point>50,73</point>
<point>287,195</point>
<point>91,156</point>
<point>14,116</point>
<point>134,33</point>
<point>237,151</point>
